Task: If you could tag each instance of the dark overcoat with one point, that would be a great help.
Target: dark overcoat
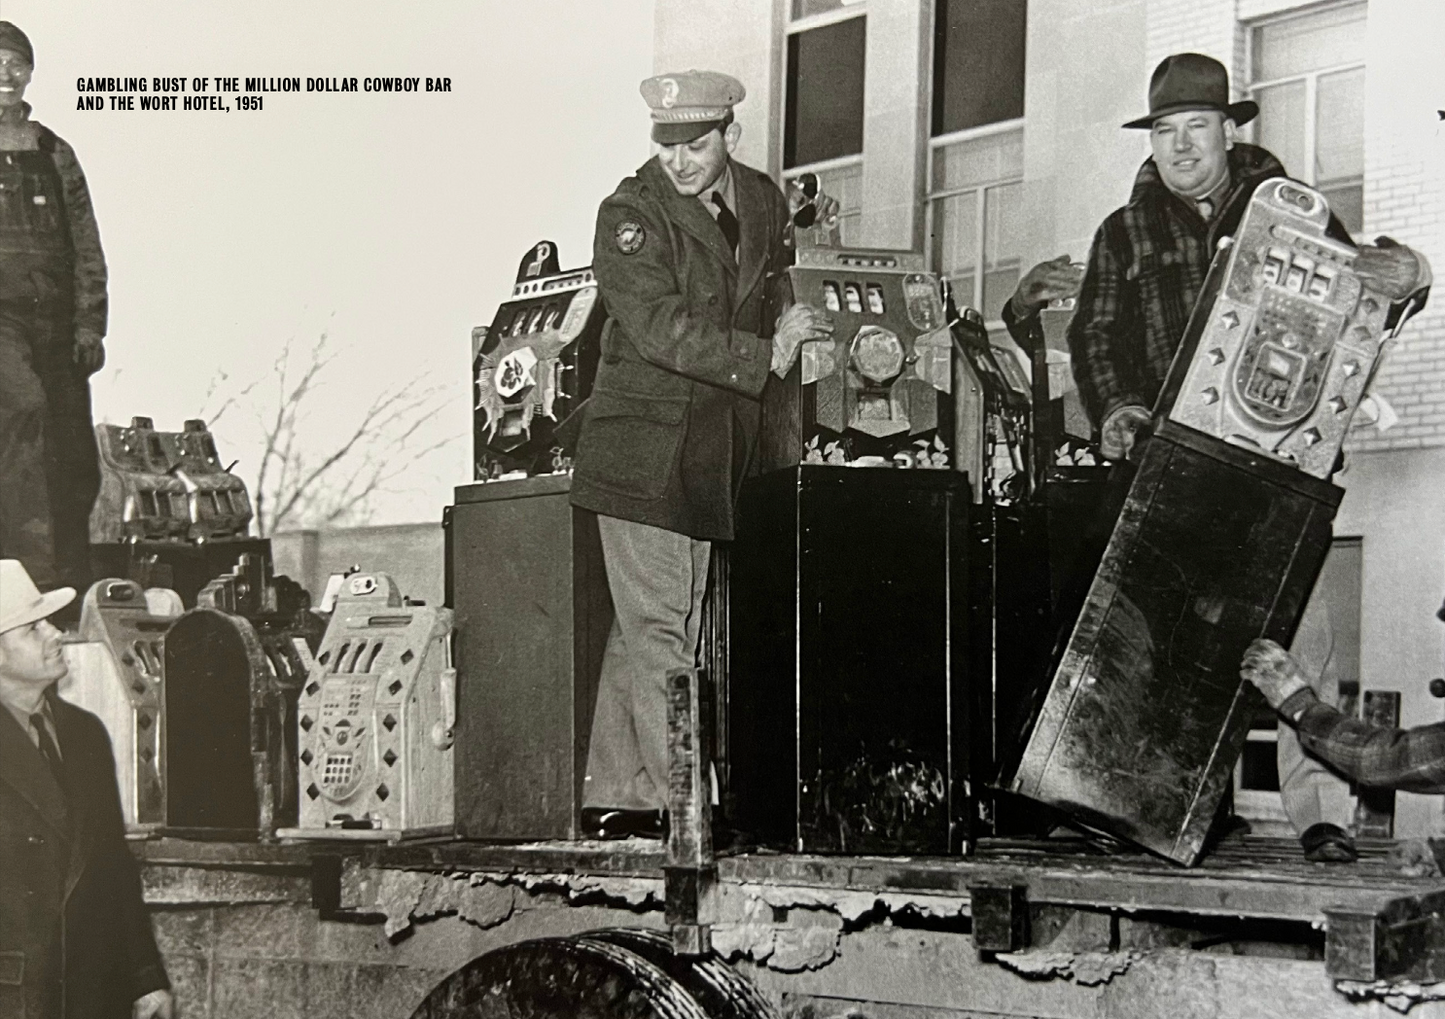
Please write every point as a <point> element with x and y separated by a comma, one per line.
<point>673,417</point>
<point>75,938</point>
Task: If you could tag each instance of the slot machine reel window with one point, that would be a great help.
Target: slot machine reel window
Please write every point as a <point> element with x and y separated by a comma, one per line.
<point>975,214</point>
<point>1307,72</point>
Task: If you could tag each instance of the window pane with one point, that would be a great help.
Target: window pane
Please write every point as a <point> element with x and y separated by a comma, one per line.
<point>954,244</point>
<point>1340,128</point>
<point>1296,45</point>
<point>978,63</point>
<point>807,8</point>
<point>823,117</point>
<point>998,157</point>
<point>1002,246</point>
<point>1347,202</point>
<point>1282,124</point>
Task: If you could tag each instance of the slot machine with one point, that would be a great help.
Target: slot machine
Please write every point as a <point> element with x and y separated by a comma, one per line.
<point>884,389</point>
<point>235,666</point>
<point>532,367</point>
<point>376,718</point>
<point>1224,528</point>
<point>851,582</point>
<point>160,486</point>
<point>116,672</point>
<point>168,514</point>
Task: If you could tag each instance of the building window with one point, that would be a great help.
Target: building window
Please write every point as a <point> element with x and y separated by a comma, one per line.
<point>1307,72</point>
<point>975,211</point>
<point>978,63</point>
<point>823,99</point>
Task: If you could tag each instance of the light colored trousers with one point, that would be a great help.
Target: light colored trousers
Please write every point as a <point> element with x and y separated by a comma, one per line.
<point>1312,792</point>
<point>658,579</point>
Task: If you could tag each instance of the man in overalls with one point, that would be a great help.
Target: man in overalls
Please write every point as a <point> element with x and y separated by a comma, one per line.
<point>52,322</point>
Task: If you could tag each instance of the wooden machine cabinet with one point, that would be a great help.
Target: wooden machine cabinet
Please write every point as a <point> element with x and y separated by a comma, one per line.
<point>850,657</point>
<point>532,610</point>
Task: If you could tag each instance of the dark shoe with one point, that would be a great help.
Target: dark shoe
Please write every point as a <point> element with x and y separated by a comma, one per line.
<point>621,823</point>
<point>1328,843</point>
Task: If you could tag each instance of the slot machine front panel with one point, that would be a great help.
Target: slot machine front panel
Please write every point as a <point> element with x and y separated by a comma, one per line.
<point>375,719</point>
<point>1292,340</point>
<point>532,367</point>
<point>882,387</point>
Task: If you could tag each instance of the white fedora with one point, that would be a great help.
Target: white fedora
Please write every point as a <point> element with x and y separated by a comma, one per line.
<point>21,601</point>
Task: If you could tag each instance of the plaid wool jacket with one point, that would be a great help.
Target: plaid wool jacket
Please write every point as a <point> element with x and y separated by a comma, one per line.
<point>1409,759</point>
<point>1146,267</point>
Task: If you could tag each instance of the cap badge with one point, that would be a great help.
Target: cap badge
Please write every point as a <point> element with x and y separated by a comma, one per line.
<point>630,237</point>
<point>670,91</point>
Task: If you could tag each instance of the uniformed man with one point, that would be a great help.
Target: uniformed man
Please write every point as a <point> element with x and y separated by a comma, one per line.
<point>681,253</point>
<point>52,322</point>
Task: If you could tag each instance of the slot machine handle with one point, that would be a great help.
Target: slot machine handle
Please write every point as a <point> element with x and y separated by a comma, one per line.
<point>443,733</point>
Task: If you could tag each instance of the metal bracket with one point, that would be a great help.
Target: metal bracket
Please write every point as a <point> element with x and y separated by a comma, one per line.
<point>1401,939</point>
<point>1000,917</point>
<point>690,874</point>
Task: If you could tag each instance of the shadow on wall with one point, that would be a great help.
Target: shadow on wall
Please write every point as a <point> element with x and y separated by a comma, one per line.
<point>411,553</point>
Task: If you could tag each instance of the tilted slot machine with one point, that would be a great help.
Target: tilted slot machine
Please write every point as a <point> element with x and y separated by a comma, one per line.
<point>1225,527</point>
<point>376,718</point>
<point>884,389</point>
<point>116,672</point>
<point>234,669</point>
<point>533,366</point>
<point>165,486</point>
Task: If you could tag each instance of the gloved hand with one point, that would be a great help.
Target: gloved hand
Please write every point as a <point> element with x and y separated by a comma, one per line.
<point>155,1005</point>
<point>1121,430</point>
<point>1056,279</point>
<point>89,352</point>
<point>799,324</point>
<point>1273,670</point>
<point>1388,268</point>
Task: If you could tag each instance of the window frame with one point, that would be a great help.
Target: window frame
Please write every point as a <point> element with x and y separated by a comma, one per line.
<point>932,197</point>
<point>850,9</point>
<point>1310,79</point>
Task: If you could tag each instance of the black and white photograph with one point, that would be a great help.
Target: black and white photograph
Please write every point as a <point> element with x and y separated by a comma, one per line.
<point>786,509</point>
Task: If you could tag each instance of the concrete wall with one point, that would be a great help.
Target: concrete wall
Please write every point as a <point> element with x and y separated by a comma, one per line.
<point>1393,502</point>
<point>411,553</point>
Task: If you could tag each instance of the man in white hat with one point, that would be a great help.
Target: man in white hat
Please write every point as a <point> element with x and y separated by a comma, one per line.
<point>75,938</point>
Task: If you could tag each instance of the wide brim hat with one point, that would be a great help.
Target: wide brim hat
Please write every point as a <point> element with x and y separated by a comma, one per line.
<point>21,602</point>
<point>1192,81</point>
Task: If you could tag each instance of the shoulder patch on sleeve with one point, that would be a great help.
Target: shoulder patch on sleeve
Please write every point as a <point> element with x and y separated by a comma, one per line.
<point>630,236</point>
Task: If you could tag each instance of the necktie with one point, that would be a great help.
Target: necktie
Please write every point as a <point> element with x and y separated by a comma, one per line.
<point>726,220</point>
<point>48,749</point>
<point>1206,209</point>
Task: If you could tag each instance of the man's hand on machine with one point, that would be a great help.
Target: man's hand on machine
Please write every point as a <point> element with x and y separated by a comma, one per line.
<point>1390,269</point>
<point>1273,670</point>
<point>798,325</point>
<point>1122,429</point>
<point>1054,280</point>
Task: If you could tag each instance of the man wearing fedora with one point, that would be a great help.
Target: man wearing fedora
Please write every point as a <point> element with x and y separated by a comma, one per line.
<point>75,937</point>
<point>1146,269</point>
<point>1149,258</point>
<point>681,254</point>
<point>52,323</point>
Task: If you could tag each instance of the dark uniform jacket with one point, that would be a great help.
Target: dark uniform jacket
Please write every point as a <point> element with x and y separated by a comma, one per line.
<point>75,938</point>
<point>1146,268</point>
<point>673,416</point>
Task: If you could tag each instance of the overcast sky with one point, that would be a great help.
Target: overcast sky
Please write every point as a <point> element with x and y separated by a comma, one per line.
<point>396,222</point>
